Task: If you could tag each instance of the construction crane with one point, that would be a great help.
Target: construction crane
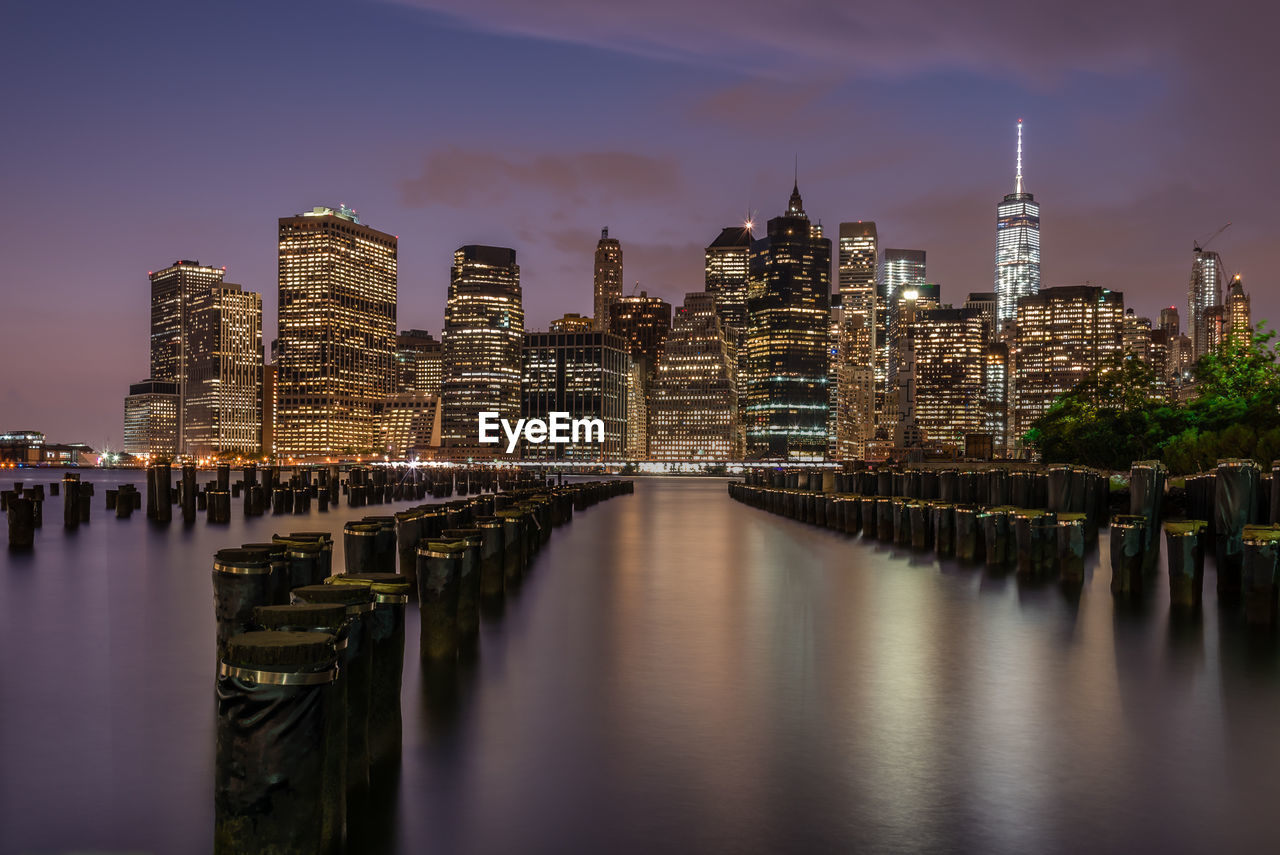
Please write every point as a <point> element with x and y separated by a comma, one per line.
<point>1202,245</point>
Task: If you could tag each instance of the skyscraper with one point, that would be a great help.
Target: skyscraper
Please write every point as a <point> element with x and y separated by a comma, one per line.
<point>1238,319</point>
<point>1204,291</point>
<point>608,277</point>
<point>855,358</point>
<point>1061,334</point>
<point>949,347</point>
<point>643,323</point>
<point>222,406</point>
<point>1017,246</point>
<point>572,322</point>
<point>174,293</point>
<point>902,270</point>
<point>787,338</point>
<point>583,374</point>
<point>419,363</point>
<point>337,332</point>
<point>694,404</point>
<point>483,336</point>
<point>151,418</point>
<point>728,265</point>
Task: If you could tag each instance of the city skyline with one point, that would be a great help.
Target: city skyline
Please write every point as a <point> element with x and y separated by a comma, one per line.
<point>1122,168</point>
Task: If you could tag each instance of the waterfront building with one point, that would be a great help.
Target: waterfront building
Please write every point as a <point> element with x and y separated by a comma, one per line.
<point>1061,335</point>
<point>175,291</point>
<point>151,418</point>
<point>995,396</point>
<point>1204,291</point>
<point>1017,246</point>
<point>419,363</point>
<point>584,374</point>
<point>222,406</point>
<point>608,277</point>
<point>337,331</point>
<point>901,270</point>
<point>694,402</point>
<point>855,356</point>
<point>483,338</point>
<point>409,424</point>
<point>788,307</point>
<point>268,441</point>
<point>949,350</point>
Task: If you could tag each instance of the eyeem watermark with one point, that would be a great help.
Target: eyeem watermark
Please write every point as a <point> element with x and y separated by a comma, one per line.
<point>558,428</point>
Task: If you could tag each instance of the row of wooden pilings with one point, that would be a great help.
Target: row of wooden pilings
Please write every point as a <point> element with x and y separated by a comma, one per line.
<point>263,492</point>
<point>310,663</point>
<point>1044,523</point>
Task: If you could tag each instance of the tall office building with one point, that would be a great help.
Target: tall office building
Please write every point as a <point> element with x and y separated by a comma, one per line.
<point>1238,318</point>
<point>995,396</point>
<point>408,424</point>
<point>608,277</point>
<point>788,306</point>
<point>583,374</point>
<point>950,355</point>
<point>900,420</point>
<point>901,270</point>
<point>1061,334</point>
<point>419,363</point>
<point>1169,320</point>
<point>1203,292</point>
<point>856,348</point>
<point>483,337</point>
<point>337,332</point>
<point>984,303</point>
<point>643,323</point>
<point>694,403</point>
<point>1135,336</point>
<point>151,418</point>
<point>637,439</point>
<point>1214,320</point>
<point>1017,246</point>
<point>728,265</point>
<point>222,406</point>
<point>268,441</point>
<point>174,292</point>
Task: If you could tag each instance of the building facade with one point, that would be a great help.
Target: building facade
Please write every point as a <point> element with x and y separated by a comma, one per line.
<point>572,322</point>
<point>222,407</point>
<point>337,332</point>
<point>483,337</point>
<point>855,351</point>
<point>419,363</point>
<point>1017,246</point>
<point>1238,318</point>
<point>694,403</point>
<point>643,324</point>
<point>408,425</point>
<point>950,363</point>
<point>1061,335</point>
<point>608,277</point>
<point>1204,291</point>
<point>788,308</point>
<point>175,292</point>
<point>585,375</point>
<point>151,419</point>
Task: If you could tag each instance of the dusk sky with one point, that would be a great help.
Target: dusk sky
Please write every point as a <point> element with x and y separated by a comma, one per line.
<point>136,134</point>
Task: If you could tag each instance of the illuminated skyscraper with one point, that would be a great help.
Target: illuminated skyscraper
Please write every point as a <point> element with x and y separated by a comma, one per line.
<point>1017,246</point>
<point>151,418</point>
<point>222,407</point>
<point>1203,292</point>
<point>174,292</point>
<point>583,374</point>
<point>984,303</point>
<point>1135,335</point>
<point>608,277</point>
<point>728,265</point>
<point>694,403</point>
<point>337,332</point>
<point>788,306</point>
<point>901,270</point>
<point>949,347</point>
<point>1238,319</point>
<point>856,349</point>
<point>483,336</point>
<point>419,363</point>
<point>572,322</point>
<point>643,323</point>
<point>1061,334</point>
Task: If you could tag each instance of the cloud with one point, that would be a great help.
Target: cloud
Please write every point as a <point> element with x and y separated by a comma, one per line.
<point>461,177</point>
<point>994,37</point>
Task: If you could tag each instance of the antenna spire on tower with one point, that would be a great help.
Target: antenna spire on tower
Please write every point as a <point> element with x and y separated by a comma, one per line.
<point>1018,180</point>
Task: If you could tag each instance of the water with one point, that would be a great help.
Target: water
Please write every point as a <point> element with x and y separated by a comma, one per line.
<point>680,673</point>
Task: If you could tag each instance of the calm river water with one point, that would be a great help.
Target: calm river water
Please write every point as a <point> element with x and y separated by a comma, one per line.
<point>680,673</point>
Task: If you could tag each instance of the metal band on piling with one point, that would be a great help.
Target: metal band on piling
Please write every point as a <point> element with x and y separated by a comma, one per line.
<point>279,678</point>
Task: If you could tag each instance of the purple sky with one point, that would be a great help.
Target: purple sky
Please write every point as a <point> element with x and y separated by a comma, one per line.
<point>136,134</point>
